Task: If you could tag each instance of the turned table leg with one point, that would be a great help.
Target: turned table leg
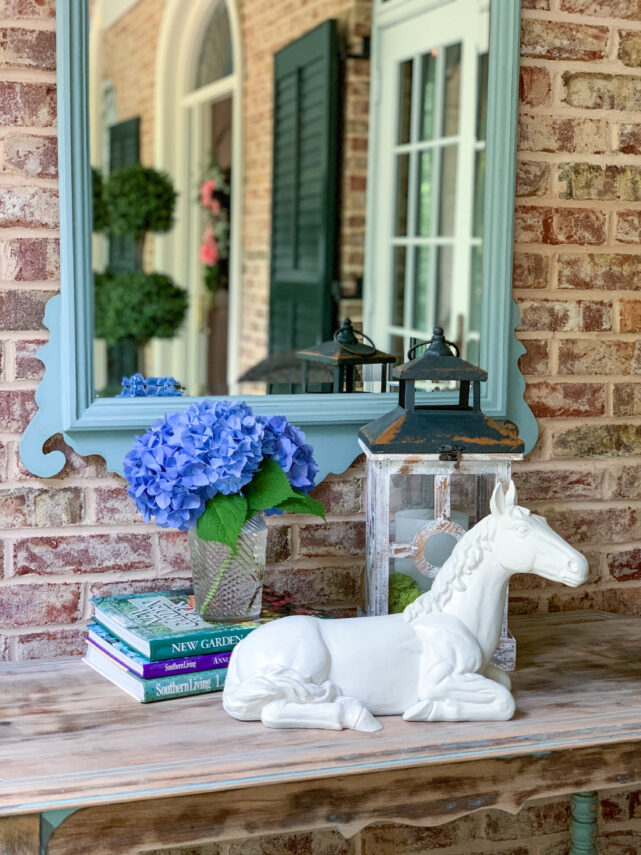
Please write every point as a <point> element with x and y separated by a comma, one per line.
<point>584,823</point>
<point>20,835</point>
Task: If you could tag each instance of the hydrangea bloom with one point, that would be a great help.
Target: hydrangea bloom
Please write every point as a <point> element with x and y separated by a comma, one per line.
<point>186,458</point>
<point>285,443</point>
<point>138,386</point>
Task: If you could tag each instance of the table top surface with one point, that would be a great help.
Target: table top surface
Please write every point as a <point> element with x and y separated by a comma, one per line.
<point>69,738</point>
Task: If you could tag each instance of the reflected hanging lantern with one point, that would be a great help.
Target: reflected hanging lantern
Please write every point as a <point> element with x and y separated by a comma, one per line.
<point>431,470</point>
<point>344,353</point>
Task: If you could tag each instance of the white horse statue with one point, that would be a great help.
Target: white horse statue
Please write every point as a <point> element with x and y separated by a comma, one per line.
<point>430,663</point>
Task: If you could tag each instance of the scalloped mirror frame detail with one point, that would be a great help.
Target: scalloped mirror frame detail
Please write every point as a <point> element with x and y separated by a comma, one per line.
<point>107,426</point>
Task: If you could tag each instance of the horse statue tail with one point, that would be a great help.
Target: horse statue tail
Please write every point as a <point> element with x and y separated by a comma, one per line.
<point>245,699</point>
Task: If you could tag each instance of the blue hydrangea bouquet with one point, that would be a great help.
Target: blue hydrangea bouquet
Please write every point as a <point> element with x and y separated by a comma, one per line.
<point>213,470</point>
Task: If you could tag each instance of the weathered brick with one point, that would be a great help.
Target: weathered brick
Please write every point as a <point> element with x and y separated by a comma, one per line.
<point>630,138</point>
<point>619,842</point>
<point>29,259</point>
<point>630,48</point>
<point>625,566</point>
<point>341,497</point>
<point>27,9</point>
<point>606,272</point>
<point>4,648</point>
<point>113,505</point>
<point>602,91</point>
<point>628,227</point>
<point>535,4</point>
<point>626,399</point>
<point>28,104</point>
<point>50,645</point>
<point>393,839</point>
<point>31,156</point>
<point>140,586</point>
<point>17,408</point>
<point>587,356</point>
<point>535,88</point>
<point>604,8</point>
<point>530,270</point>
<point>546,818</point>
<point>535,359</point>
<point>336,538</point>
<point>540,224</point>
<point>559,315</point>
<point>630,316</point>
<point>278,542</point>
<point>626,481</point>
<point>616,440</point>
<point>553,133</point>
<point>520,605</point>
<point>14,509</point>
<point>57,506</point>
<point>587,181</point>
<point>319,585</point>
<point>594,525</point>
<point>173,552</point>
<point>566,400</point>
<point>29,207</point>
<point>564,484</point>
<point>22,310</point>
<point>557,40</point>
<point>26,363</point>
<point>26,48</point>
<point>40,605</point>
<point>323,842</point>
<point>100,553</point>
<point>532,178</point>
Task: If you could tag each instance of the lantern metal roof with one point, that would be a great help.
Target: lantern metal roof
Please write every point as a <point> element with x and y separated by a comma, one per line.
<point>449,430</point>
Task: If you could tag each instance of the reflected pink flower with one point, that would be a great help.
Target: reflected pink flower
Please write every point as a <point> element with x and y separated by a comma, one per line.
<point>209,254</point>
<point>207,189</point>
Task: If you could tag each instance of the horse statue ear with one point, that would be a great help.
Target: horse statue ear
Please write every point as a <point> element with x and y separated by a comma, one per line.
<point>497,502</point>
<point>510,497</point>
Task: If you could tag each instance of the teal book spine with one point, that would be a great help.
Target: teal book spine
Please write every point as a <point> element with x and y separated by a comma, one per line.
<point>165,688</point>
<point>216,641</point>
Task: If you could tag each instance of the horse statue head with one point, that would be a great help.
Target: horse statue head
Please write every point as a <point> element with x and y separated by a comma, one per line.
<point>525,543</point>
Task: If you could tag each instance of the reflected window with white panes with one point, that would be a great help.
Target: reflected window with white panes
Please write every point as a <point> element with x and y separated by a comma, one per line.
<point>431,70</point>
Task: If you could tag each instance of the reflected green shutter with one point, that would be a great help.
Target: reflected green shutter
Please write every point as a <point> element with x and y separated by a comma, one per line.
<point>124,150</point>
<point>305,181</point>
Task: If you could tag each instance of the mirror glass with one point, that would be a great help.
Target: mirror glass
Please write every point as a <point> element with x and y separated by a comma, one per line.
<point>230,202</point>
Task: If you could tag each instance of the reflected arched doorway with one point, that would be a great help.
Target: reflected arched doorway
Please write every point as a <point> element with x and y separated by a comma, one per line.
<point>197,136</point>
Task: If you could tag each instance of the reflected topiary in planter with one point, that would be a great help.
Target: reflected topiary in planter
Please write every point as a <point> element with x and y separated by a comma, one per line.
<point>139,200</point>
<point>137,306</point>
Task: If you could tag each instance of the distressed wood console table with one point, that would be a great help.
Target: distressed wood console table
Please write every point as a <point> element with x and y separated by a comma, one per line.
<point>74,750</point>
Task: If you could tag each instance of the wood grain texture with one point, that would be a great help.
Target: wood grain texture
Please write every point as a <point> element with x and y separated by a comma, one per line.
<point>20,835</point>
<point>71,739</point>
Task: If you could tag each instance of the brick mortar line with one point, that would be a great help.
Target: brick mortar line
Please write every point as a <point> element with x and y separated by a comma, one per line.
<point>26,181</point>
<point>599,205</point>
<point>24,335</point>
<point>560,110</point>
<point>574,158</point>
<point>554,465</point>
<point>561,17</point>
<point>15,633</point>
<point>13,74</point>
<point>578,250</point>
<point>7,131</point>
<point>577,295</point>
<point>41,24</point>
<point>17,232</point>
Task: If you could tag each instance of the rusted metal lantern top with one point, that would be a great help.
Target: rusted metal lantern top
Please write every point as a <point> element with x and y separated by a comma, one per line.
<point>448,430</point>
<point>344,352</point>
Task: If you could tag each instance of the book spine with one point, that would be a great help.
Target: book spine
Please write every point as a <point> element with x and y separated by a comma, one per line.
<point>188,665</point>
<point>187,684</point>
<point>218,641</point>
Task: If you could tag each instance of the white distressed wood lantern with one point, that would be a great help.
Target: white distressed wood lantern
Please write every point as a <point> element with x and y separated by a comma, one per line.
<point>430,474</point>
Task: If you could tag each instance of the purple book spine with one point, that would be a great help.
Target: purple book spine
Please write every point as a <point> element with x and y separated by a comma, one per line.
<point>207,662</point>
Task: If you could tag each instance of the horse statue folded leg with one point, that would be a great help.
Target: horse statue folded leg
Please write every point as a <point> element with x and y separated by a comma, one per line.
<point>431,663</point>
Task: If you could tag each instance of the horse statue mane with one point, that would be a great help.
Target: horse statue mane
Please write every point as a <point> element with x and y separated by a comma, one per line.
<point>466,556</point>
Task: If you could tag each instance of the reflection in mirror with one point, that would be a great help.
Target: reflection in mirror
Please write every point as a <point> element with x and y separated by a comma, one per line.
<point>173,298</point>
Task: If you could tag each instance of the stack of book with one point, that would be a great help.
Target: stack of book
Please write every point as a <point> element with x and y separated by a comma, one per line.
<point>156,646</point>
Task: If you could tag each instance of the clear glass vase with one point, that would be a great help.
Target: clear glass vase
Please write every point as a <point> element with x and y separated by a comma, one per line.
<point>228,586</point>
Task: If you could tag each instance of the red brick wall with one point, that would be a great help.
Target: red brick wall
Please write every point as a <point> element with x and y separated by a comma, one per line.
<point>578,219</point>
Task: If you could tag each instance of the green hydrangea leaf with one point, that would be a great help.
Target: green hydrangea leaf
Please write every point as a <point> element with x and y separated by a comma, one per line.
<point>302,504</point>
<point>268,488</point>
<point>223,518</point>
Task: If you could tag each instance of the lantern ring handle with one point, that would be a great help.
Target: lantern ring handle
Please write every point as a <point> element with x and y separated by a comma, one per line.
<point>419,542</point>
<point>370,344</point>
<point>415,347</point>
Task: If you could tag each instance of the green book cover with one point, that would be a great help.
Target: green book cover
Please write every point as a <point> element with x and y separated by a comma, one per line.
<point>166,625</point>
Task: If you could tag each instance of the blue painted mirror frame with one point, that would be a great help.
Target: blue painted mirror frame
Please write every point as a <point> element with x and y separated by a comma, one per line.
<point>107,426</point>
